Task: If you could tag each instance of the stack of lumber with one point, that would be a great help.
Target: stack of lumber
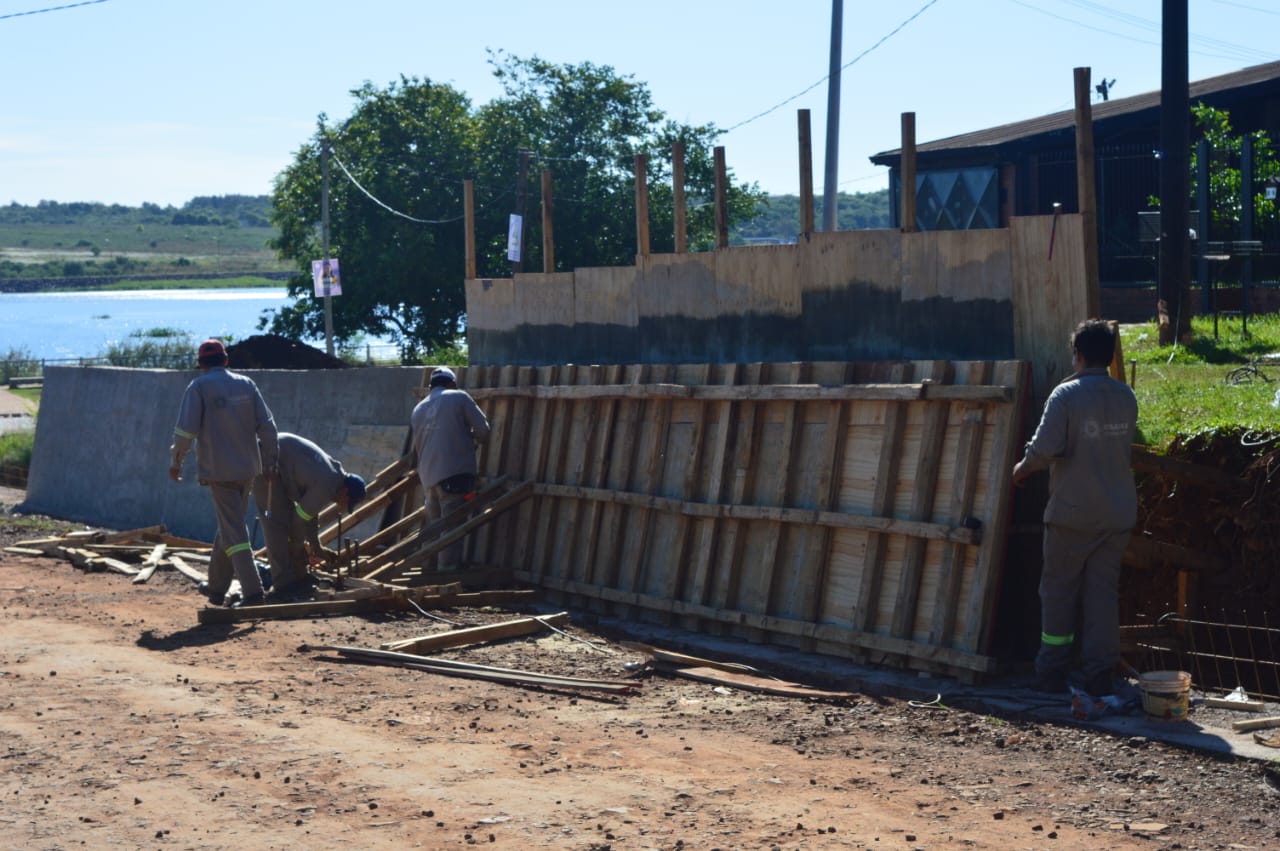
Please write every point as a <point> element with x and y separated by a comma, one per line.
<point>137,553</point>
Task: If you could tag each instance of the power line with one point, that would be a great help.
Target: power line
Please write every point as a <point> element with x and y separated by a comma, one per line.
<point>1211,47</point>
<point>851,62</point>
<point>51,9</point>
<point>384,205</point>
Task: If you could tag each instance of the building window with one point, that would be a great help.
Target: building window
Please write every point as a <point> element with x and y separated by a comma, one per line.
<point>958,198</point>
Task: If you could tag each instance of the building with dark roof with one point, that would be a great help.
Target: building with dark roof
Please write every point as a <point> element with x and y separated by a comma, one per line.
<point>980,179</point>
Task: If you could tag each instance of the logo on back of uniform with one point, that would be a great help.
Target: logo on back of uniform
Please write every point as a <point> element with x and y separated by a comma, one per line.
<point>1092,429</point>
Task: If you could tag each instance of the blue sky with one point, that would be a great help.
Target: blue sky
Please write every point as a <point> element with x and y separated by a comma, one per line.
<point>125,101</point>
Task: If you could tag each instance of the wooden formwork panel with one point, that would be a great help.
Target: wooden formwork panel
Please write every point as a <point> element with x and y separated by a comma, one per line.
<point>852,508</point>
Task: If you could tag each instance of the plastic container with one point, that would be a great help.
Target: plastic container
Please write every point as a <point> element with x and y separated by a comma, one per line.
<point>1166,694</point>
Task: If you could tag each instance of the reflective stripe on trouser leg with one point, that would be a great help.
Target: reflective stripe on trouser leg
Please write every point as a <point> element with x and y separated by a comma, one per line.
<point>230,500</point>
<point>1056,640</point>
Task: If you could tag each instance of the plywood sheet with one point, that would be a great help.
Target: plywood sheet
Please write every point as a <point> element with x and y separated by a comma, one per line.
<point>1050,295</point>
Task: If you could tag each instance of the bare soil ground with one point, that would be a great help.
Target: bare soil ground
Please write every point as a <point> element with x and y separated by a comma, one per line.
<point>127,724</point>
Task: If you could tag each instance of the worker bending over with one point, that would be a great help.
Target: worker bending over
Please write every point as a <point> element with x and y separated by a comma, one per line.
<point>307,481</point>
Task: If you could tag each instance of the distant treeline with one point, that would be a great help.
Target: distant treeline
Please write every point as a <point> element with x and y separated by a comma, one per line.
<point>248,211</point>
<point>779,217</point>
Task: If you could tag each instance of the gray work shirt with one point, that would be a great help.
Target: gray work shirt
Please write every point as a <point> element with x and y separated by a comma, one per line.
<point>309,476</point>
<point>1085,438</point>
<point>446,425</point>
<point>222,412</point>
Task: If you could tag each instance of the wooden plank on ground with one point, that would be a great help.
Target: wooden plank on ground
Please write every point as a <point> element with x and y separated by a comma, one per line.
<point>763,685</point>
<point>113,564</point>
<point>477,634</point>
<point>150,564</point>
<point>179,564</point>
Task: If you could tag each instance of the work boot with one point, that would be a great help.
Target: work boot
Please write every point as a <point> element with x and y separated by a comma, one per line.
<point>251,600</point>
<point>214,599</point>
<point>1050,682</point>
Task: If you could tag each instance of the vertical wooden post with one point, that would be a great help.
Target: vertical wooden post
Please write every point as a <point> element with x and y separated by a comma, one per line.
<point>469,227</point>
<point>522,184</point>
<point>548,229</point>
<point>722,199</point>
<point>1087,189</point>
<point>908,168</point>
<point>680,213</point>
<point>642,206</point>
<point>806,171</point>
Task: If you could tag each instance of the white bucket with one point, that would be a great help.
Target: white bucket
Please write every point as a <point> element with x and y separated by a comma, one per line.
<point>1166,694</point>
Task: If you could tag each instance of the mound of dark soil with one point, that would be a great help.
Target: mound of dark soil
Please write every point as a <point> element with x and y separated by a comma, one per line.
<point>271,351</point>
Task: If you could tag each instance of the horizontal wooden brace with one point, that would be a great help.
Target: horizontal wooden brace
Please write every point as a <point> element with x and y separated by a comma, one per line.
<point>806,516</point>
<point>785,626</point>
<point>756,392</point>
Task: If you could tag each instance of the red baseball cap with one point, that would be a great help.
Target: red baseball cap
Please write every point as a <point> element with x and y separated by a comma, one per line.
<point>211,348</point>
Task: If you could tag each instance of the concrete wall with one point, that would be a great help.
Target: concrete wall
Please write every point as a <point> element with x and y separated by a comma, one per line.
<point>101,452</point>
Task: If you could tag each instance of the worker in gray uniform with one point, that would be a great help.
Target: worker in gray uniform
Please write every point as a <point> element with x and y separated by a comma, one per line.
<point>1085,439</point>
<point>307,481</point>
<point>446,425</point>
<point>223,413</point>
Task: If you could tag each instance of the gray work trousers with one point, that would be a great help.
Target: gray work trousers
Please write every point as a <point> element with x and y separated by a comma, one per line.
<point>1080,581</point>
<point>284,531</point>
<point>232,552</point>
<point>440,503</point>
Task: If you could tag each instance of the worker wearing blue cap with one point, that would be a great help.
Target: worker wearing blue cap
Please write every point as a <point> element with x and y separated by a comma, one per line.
<point>307,481</point>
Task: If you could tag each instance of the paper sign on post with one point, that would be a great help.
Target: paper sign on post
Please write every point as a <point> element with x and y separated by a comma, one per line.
<point>513,237</point>
<point>325,276</point>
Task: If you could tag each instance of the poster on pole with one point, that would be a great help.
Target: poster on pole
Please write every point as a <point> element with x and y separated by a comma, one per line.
<point>513,237</point>
<point>324,274</point>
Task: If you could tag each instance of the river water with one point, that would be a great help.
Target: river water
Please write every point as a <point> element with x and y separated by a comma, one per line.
<point>52,326</point>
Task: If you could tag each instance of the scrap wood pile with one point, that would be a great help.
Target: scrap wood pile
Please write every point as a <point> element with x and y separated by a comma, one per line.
<point>137,553</point>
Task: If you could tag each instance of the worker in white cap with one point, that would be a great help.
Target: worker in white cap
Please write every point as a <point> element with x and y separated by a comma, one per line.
<point>446,425</point>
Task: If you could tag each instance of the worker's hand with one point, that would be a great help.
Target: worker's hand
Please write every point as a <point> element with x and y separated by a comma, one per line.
<point>175,472</point>
<point>1020,473</point>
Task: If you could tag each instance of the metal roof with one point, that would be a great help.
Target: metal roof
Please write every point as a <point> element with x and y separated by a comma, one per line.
<point>1055,122</point>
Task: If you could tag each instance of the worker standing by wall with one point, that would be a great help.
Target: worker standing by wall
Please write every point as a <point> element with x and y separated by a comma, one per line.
<point>446,425</point>
<point>223,413</point>
<point>1085,439</point>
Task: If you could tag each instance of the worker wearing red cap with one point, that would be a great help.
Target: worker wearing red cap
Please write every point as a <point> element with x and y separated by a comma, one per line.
<point>445,427</point>
<point>223,413</point>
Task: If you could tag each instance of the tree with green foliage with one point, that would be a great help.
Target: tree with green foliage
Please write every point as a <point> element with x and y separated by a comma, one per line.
<point>1225,146</point>
<point>410,146</point>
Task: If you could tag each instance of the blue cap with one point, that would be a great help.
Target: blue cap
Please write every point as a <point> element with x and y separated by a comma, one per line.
<point>355,490</point>
<point>442,376</point>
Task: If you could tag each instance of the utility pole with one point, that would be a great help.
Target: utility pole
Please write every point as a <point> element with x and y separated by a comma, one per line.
<point>831,166</point>
<point>1174,286</point>
<point>324,237</point>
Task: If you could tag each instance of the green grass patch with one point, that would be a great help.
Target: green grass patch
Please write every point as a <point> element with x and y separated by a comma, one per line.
<point>1198,387</point>
<point>238,282</point>
<point>15,448</point>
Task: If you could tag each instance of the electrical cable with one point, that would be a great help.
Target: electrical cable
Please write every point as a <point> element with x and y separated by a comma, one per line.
<point>385,206</point>
<point>851,62</point>
<point>52,9</point>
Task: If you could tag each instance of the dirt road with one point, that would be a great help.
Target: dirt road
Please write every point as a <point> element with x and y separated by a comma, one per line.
<point>125,724</point>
